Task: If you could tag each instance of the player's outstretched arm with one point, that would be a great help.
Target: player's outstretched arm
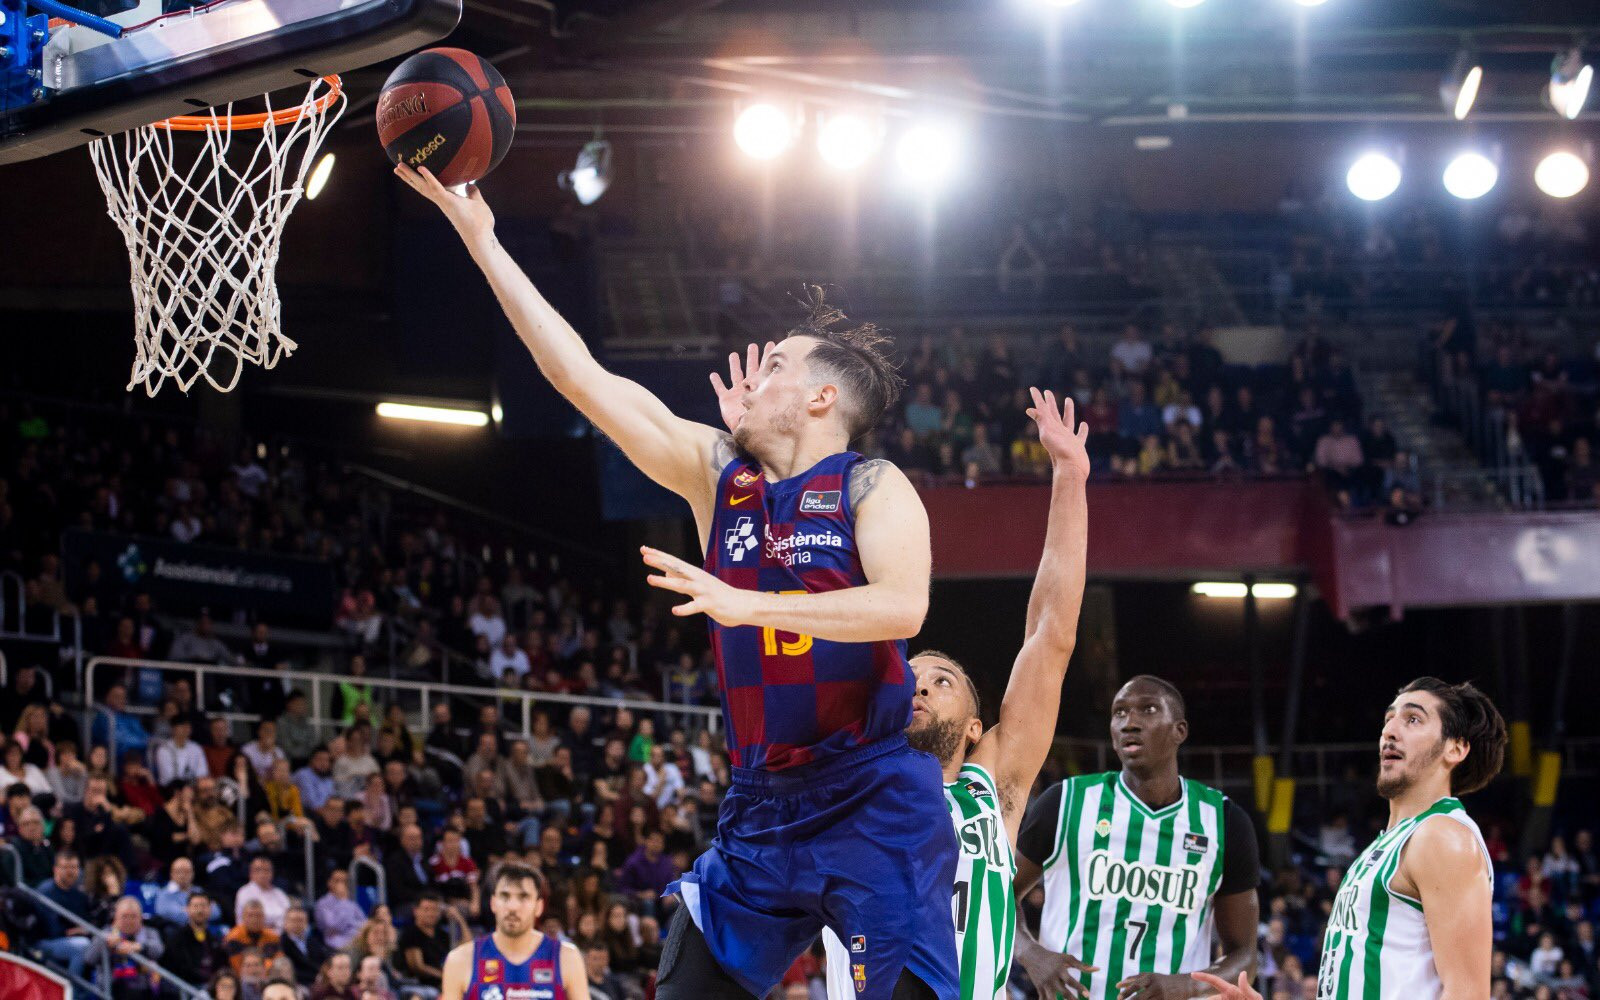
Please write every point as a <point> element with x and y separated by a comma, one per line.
<point>1445,865</point>
<point>457,972</point>
<point>674,452</point>
<point>1015,749</point>
<point>892,541</point>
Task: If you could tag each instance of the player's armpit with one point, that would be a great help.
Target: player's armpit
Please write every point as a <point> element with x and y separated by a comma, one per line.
<point>1449,873</point>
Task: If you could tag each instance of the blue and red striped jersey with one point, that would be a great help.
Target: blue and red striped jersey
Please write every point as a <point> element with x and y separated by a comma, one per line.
<point>494,978</point>
<point>789,699</point>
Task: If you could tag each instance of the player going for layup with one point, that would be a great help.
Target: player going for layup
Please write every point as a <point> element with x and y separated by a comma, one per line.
<point>1412,919</point>
<point>817,570</point>
<point>1141,868</point>
<point>988,774</point>
<point>515,962</point>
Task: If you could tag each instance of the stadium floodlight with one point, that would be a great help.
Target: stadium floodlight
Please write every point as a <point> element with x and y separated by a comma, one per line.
<point>846,141</point>
<point>764,131</point>
<point>1570,78</point>
<point>927,155</point>
<point>319,177</point>
<point>1561,174</point>
<point>1373,177</point>
<point>1260,591</point>
<point>433,414</point>
<point>1459,88</point>
<point>1470,176</point>
<point>591,175</point>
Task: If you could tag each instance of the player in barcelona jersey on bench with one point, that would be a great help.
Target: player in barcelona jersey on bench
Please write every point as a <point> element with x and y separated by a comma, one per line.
<point>816,571</point>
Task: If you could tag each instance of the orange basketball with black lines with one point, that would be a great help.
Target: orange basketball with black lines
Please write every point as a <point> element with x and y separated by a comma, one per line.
<point>447,110</point>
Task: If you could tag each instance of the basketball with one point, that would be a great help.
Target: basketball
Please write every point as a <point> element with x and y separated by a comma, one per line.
<point>448,110</point>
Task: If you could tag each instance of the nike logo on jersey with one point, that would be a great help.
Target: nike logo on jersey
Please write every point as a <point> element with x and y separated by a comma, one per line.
<point>736,501</point>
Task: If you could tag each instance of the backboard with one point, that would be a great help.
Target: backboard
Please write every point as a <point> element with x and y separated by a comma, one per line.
<point>65,80</point>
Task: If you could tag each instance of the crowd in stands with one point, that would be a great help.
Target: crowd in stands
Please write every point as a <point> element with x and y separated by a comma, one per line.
<point>1542,403</point>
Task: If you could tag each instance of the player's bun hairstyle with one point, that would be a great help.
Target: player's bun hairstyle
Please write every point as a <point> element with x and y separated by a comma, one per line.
<point>1468,715</point>
<point>853,358</point>
<point>521,873</point>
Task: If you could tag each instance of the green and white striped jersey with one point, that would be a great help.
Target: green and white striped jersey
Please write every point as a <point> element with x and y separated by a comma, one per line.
<point>1376,946</point>
<point>983,903</point>
<point>1128,888</point>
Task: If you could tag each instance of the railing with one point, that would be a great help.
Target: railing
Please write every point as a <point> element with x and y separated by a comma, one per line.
<point>1518,482</point>
<point>359,862</point>
<point>39,899</point>
<point>427,693</point>
<point>15,626</point>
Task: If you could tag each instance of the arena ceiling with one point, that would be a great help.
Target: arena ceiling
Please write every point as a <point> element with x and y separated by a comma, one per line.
<point>665,66</point>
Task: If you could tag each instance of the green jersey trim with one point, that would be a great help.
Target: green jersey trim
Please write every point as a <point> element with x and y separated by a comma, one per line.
<point>1155,814</point>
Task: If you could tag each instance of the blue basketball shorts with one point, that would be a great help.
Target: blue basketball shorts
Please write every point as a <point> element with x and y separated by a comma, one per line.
<point>861,843</point>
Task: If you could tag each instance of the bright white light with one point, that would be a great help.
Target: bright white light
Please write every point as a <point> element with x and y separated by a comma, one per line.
<point>1470,175</point>
<point>1568,97</point>
<point>433,414</point>
<point>1373,177</point>
<point>319,176</point>
<point>497,413</point>
<point>587,185</point>
<point>1468,92</point>
<point>847,141</point>
<point>763,131</point>
<point>1262,591</point>
<point>1561,175</point>
<point>1181,4</point>
<point>1058,3</point>
<point>928,154</point>
<point>1311,3</point>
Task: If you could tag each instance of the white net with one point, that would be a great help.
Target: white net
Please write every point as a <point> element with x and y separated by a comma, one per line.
<point>202,213</point>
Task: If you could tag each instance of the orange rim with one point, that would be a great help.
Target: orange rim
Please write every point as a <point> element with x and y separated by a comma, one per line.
<point>244,123</point>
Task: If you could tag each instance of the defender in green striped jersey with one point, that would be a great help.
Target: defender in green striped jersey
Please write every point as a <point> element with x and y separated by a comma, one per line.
<point>1145,873</point>
<point>987,774</point>
<point>1412,918</point>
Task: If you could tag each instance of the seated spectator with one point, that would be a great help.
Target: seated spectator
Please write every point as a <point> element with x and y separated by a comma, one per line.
<point>251,935</point>
<point>172,900</point>
<point>1338,457</point>
<point>297,736</point>
<point>179,758</point>
<point>407,869</point>
<point>1583,475</point>
<point>663,782</point>
<point>103,827</point>
<point>283,799</point>
<point>339,917</point>
<point>121,731</point>
<point>201,645</point>
<point>372,982</point>
<point>508,657</point>
<point>1137,417</point>
<point>301,944</point>
<point>354,696</point>
<point>38,857</point>
<point>1029,457</point>
<point>1132,351</point>
<point>127,936</point>
<point>353,762</point>
<point>315,780</point>
<point>137,788</point>
<point>252,974</point>
<point>193,953</point>
<point>597,964</point>
<point>424,945</point>
<point>67,776</point>
<point>1182,409</point>
<point>648,870</point>
<point>60,940</point>
<point>260,891</point>
<point>336,979</point>
<point>455,874</point>
<point>220,748</point>
<point>263,751</point>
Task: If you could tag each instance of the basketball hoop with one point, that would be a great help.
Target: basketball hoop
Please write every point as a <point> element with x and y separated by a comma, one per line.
<point>203,227</point>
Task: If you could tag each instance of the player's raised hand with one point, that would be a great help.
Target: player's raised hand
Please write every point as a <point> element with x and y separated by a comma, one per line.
<point>707,595</point>
<point>1059,431</point>
<point>469,213</point>
<point>741,377</point>
<point>1057,975</point>
<point>1242,990</point>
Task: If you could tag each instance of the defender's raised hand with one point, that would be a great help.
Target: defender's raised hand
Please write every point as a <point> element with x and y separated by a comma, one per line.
<point>741,376</point>
<point>1059,431</point>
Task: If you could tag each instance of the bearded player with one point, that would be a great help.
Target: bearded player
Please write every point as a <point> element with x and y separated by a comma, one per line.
<point>816,570</point>
<point>515,962</point>
<point>1412,919</point>
<point>1147,875</point>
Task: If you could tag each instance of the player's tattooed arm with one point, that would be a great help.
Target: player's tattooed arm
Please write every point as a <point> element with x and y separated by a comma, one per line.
<point>722,452</point>
<point>864,478</point>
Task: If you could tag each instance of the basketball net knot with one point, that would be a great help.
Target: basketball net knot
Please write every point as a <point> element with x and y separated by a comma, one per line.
<point>203,220</point>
